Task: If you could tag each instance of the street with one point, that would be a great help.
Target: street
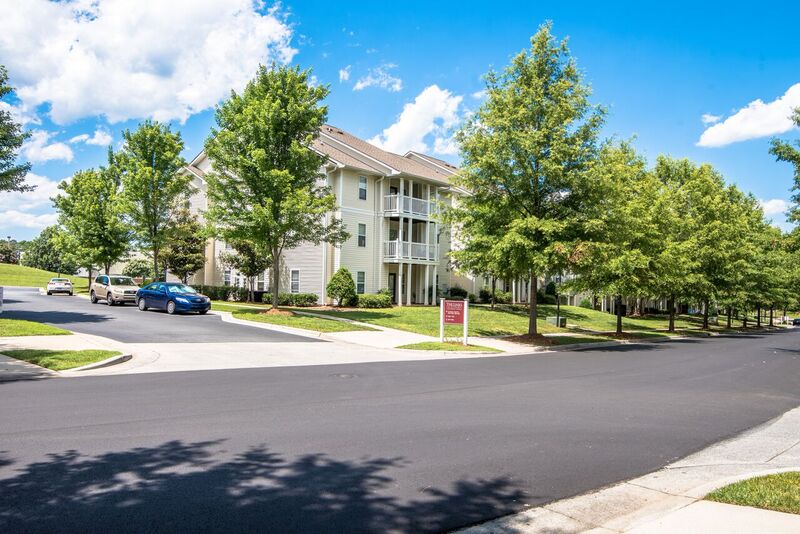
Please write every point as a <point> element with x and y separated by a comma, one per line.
<point>128,324</point>
<point>410,446</point>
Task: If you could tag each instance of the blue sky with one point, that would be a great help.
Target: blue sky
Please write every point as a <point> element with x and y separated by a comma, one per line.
<point>401,74</point>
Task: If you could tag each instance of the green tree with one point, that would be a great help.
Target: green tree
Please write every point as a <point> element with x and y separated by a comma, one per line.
<point>184,252</point>
<point>265,181</point>
<point>9,251</point>
<point>619,238</point>
<point>90,213</point>
<point>148,167</point>
<point>790,153</point>
<point>12,174</point>
<point>45,251</point>
<point>139,268</point>
<point>250,259</point>
<point>341,288</point>
<point>525,153</point>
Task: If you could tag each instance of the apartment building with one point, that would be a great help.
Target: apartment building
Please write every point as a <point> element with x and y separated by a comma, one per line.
<point>388,203</point>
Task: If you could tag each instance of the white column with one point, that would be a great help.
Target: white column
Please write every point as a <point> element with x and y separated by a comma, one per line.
<point>514,291</point>
<point>399,289</point>
<point>427,283</point>
<point>408,285</point>
<point>379,239</point>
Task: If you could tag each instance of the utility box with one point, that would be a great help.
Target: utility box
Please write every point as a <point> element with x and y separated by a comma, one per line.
<point>558,321</point>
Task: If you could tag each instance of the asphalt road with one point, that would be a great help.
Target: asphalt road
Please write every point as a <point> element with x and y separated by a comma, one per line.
<point>415,446</point>
<point>128,324</point>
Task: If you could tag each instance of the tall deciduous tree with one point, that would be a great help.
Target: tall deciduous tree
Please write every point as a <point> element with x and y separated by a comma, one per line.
<point>790,153</point>
<point>183,253</point>
<point>153,189</point>
<point>620,237</point>
<point>12,173</point>
<point>249,259</point>
<point>525,153</point>
<point>265,182</point>
<point>90,211</point>
<point>46,251</point>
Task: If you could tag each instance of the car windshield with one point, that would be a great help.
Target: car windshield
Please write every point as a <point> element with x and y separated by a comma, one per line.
<point>122,281</point>
<point>180,288</point>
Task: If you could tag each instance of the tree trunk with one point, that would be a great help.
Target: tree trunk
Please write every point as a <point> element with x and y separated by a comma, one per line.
<point>107,267</point>
<point>671,306</point>
<point>729,318</point>
<point>276,276</point>
<point>494,287</point>
<point>619,314</point>
<point>758,316</point>
<point>705,315</point>
<point>89,276</point>
<point>744,318</point>
<point>532,330</point>
<point>771,308</point>
<point>156,274</point>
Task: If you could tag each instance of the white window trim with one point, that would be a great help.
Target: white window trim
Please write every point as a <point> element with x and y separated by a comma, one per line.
<point>362,180</point>
<point>363,283</point>
<point>291,281</point>
<point>359,235</point>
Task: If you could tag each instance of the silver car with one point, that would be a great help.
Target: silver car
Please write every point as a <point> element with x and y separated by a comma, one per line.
<point>59,285</point>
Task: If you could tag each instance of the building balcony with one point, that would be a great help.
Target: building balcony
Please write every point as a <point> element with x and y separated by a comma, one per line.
<point>396,205</point>
<point>408,251</point>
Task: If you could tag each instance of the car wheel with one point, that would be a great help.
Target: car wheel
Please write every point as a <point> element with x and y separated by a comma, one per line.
<point>93,297</point>
<point>70,293</point>
<point>142,305</point>
<point>110,300</point>
<point>171,308</point>
<point>49,292</point>
<point>203,312</point>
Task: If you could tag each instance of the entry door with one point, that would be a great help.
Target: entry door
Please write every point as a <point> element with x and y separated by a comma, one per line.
<point>393,286</point>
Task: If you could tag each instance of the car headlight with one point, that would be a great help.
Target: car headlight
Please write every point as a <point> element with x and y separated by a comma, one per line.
<point>181,299</point>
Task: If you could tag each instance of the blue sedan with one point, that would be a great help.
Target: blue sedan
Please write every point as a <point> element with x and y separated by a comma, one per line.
<point>173,297</point>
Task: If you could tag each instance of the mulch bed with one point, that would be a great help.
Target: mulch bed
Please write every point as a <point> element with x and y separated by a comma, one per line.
<point>276,311</point>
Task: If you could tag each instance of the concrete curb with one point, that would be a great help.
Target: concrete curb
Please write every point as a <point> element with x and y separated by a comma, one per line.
<point>108,362</point>
<point>229,318</point>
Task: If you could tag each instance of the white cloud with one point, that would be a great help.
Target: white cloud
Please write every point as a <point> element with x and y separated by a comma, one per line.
<point>775,206</point>
<point>708,118</point>
<point>380,77</point>
<point>100,137</point>
<point>38,198</point>
<point>122,59</point>
<point>15,218</point>
<point>344,74</point>
<point>757,119</point>
<point>434,112</point>
<point>19,114</point>
<point>38,148</point>
<point>478,95</point>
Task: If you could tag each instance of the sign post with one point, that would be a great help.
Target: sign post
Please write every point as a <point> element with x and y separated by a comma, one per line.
<point>453,312</point>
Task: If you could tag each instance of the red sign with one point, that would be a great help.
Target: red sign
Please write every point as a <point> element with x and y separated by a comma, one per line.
<point>453,312</point>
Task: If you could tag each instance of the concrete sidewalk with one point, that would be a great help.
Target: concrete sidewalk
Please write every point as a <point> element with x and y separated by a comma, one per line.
<point>670,500</point>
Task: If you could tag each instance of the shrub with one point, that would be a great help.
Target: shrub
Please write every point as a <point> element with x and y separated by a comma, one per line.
<point>543,298</point>
<point>586,303</point>
<point>341,288</point>
<point>485,295</point>
<point>379,300</point>
<point>502,297</point>
<point>458,293</point>
<point>297,299</point>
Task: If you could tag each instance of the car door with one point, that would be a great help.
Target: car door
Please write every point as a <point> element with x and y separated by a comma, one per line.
<point>157,297</point>
<point>102,287</point>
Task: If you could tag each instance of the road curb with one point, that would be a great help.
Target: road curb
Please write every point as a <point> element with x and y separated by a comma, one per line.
<point>108,362</point>
<point>229,318</point>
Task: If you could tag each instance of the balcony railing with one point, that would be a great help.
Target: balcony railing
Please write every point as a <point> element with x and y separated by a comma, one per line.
<point>410,250</point>
<point>405,205</point>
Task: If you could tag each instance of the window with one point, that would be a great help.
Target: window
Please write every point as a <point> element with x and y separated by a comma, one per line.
<point>226,277</point>
<point>295,282</point>
<point>99,280</point>
<point>362,188</point>
<point>360,282</point>
<point>362,235</point>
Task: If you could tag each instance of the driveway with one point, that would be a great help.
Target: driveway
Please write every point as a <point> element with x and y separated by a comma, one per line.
<point>402,446</point>
<point>129,325</point>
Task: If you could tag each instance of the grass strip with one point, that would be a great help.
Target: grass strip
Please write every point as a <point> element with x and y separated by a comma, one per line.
<point>779,492</point>
<point>60,360</point>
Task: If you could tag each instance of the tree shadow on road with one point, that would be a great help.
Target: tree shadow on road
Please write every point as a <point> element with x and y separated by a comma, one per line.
<point>55,317</point>
<point>199,487</point>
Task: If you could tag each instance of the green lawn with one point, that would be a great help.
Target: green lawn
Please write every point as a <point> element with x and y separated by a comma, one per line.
<point>436,345</point>
<point>780,492</point>
<point>18,327</point>
<point>505,320</point>
<point>295,321</point>
<point>18,275</point>
<point>60,360</point>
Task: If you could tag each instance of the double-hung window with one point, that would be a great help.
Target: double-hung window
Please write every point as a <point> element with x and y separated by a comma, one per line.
<point>295,286</point>
<point>360,282</point>
<point>362,188</point>
<point>362,235</point>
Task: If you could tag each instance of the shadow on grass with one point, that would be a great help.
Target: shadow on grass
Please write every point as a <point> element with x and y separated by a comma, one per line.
<point>179,486</point>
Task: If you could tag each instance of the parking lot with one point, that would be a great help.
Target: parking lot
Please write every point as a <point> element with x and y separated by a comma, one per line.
<point>129,325</point>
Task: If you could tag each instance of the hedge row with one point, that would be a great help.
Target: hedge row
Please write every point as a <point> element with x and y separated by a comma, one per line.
<point>380,300</point>
<point>296,299</point>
